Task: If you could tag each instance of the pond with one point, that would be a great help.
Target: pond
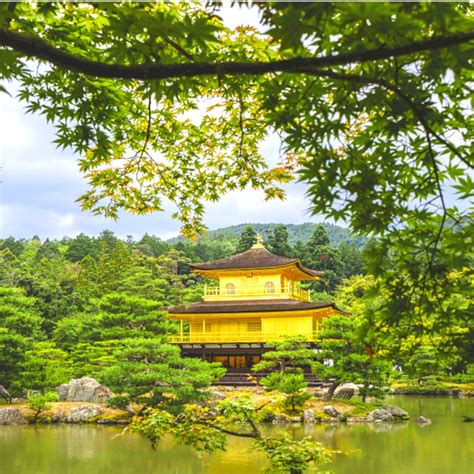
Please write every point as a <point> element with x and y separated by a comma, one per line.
<point>446,446</point>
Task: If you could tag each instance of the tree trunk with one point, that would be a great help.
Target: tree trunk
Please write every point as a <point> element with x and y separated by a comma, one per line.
<point>328,395</point>
<point>4,393</point>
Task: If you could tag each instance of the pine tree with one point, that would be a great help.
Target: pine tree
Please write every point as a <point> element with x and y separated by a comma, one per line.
<point>80,247</point>
<point>247,238</point>
<point>319,237</point>
<point>278,242</point>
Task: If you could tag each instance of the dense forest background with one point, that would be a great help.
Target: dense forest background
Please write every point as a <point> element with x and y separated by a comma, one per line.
<point>71,307</point>
<point>65,304</point>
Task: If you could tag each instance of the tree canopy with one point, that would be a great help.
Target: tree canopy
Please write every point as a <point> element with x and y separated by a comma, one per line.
<point>370,100</point>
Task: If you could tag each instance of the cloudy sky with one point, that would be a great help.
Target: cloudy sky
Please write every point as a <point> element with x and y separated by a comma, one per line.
<point>40,183</point>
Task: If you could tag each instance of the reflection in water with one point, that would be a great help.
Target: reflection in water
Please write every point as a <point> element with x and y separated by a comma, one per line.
<point>444,447</point>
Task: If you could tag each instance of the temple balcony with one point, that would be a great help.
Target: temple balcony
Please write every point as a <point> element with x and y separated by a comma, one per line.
<point>215,293</point>
<point>234,337</point>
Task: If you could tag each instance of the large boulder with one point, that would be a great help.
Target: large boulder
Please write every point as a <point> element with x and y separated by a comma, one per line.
<point>397,413</point>
<point>85,389</point>
<point>11,416</point>
<point>379,415</point>
<point>346,391</point>
<point>83,413</point>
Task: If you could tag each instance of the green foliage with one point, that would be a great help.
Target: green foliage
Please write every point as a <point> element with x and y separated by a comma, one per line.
<point>151,372</point>
<point>288,355</point>
<point>41,402</point>
<point>278,243</point>
<point>364,117</point>
<point>12,350</point>
<point>207,429</point>
<point>18,313</point>
<point>45,367</point>
<point>345,356</point>
<point>20,325</point>
<point>289,455</point>
<point>423,305</point>
<point>286,361</point>
<point>465,377</point>
<point>367,131</point>
<point>292,385</point>
<point>247,238</point>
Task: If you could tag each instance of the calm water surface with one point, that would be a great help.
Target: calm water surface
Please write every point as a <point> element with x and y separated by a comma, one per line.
<point>445,447</point>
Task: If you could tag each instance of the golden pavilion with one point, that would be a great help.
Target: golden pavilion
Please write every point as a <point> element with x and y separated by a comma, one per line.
<point>254,300</point>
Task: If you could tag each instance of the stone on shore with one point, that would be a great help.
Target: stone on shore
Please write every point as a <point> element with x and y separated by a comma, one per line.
<point>346,391</point>
<point>11,416</point>
<point>380,415</point>
<point>332,412</point>
<point>397,413</point>
<point>83,413</point>
<point>85,389</point>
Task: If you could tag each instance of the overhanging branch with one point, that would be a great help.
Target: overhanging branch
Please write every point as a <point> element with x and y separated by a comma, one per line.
<point>355,78</point>
<point>36,47</point>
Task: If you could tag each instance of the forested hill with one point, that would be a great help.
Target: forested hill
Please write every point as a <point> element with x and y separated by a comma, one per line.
<point>296,232</point>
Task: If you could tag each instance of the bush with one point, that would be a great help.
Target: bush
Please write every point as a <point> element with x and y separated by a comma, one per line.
<point>39,402</point>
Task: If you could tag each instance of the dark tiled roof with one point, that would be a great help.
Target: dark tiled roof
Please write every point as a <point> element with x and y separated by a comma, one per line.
<point>253,258</point>
<point>248,306</point>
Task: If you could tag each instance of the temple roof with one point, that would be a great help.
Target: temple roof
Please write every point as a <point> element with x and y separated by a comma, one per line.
<point>249,306</point>
<point>254,258</point>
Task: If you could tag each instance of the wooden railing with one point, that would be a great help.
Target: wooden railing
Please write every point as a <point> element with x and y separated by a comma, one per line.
<point>214,293</point>
<point>241,336</point>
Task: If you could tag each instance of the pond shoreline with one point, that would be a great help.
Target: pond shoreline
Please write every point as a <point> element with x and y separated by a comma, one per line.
<point>371,448</point>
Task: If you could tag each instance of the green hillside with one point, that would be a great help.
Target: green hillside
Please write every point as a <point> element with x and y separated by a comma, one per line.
<point>296,232</point>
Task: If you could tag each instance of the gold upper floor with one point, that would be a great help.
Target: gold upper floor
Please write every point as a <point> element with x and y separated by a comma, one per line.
<point>235,289</point>
<point>255,274</point>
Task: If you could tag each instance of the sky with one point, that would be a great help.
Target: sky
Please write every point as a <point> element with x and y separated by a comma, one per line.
<point>40,183</point>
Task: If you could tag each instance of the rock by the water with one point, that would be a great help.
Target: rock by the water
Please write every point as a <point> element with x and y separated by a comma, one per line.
<point>308,416</point>
<point>83,413</point>
<point>397,412</point>
<point>331,411</point>
<point>85,389</point>
<point>421,420</point>
<point>379,415</point>
<point>11,416</point>
<point>280,418</point>
<point>346,391</point>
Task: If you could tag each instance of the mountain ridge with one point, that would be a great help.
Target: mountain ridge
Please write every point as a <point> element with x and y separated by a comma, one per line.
<point>296,232</point>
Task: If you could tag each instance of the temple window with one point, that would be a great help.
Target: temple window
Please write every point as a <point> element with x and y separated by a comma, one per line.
<point>269,287</point>
<point>196,326</point>
<point>230,289</point>
<point>254,326</point>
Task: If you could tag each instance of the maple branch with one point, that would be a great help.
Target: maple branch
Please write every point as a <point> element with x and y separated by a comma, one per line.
<point>35,47</point>
<point>355,78</point>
